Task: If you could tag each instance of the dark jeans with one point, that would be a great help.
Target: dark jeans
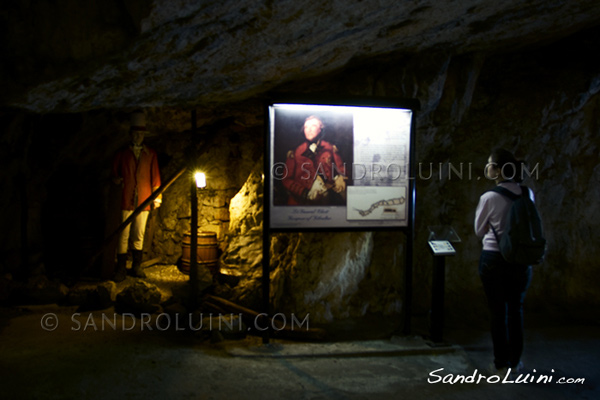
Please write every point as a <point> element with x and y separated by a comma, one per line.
<point>505,286</point>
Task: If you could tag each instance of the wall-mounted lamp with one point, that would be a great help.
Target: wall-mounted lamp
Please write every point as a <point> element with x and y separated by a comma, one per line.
<point>200,180</point>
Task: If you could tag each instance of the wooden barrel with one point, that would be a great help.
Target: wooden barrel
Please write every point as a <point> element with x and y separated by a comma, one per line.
<point>206,251</point>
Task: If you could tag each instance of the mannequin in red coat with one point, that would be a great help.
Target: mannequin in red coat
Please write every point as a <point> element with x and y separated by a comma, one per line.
<point>136,169</point>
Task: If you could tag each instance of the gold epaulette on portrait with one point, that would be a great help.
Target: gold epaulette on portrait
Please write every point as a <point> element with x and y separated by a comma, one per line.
<point>290,154</point>
<point>335,149</point>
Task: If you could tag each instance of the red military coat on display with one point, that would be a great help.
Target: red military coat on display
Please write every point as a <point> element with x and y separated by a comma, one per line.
<point>138,175</point>
<point>302,170</point>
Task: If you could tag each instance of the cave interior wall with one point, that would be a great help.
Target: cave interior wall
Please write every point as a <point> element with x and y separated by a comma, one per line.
<point>540,102</point>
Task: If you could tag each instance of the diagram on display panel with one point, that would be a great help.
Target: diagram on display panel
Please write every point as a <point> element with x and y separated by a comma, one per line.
<point>376,203</point>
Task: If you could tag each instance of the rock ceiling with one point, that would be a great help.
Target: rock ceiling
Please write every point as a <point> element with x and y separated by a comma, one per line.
<point>77,56</point>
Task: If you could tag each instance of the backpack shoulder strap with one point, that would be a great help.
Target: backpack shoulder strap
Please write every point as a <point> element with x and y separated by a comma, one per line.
<point>507,193</point>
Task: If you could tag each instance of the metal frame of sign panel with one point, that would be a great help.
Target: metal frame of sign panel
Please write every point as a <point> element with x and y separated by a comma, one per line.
<point>407,227</point>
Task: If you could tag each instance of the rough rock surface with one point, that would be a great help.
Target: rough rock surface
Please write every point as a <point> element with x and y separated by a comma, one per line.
<point>243,256</point>
<point>138,298</point>
<point>226,164</point>
<point>325,275</point>
<point>182,53</point>
<point>92,296</point>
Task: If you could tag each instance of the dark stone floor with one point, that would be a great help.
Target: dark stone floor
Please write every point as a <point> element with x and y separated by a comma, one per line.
<point>53,352</point>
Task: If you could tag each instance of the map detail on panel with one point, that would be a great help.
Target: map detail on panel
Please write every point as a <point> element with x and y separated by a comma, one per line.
<point>376,203</point>
<point>389,204</point>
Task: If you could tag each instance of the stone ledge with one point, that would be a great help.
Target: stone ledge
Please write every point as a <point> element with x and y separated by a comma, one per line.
<point>396,346</point>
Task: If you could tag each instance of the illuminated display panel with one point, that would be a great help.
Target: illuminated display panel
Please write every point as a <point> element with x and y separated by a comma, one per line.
<point>335,166</point>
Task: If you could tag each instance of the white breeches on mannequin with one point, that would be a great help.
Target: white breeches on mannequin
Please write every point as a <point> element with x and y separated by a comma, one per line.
<point>138,231</point>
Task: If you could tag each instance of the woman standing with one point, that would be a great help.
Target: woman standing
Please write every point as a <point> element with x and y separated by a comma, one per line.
<point>505,284</point>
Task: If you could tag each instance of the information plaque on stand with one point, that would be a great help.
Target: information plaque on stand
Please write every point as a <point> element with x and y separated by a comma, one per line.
<point>440,242</point>
<point>442,233</point>
<point>441,248</point>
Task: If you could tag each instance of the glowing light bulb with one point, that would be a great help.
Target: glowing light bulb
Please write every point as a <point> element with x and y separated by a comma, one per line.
<point>200,179</point>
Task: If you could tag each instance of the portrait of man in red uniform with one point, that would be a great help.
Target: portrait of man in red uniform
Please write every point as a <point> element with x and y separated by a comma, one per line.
<point>315,173</point>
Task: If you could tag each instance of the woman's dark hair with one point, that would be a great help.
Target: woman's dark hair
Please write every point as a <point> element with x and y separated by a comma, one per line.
<point>510,168</point>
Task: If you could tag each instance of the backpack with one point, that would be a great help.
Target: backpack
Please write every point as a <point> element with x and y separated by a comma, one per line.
<point>523,240</point>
